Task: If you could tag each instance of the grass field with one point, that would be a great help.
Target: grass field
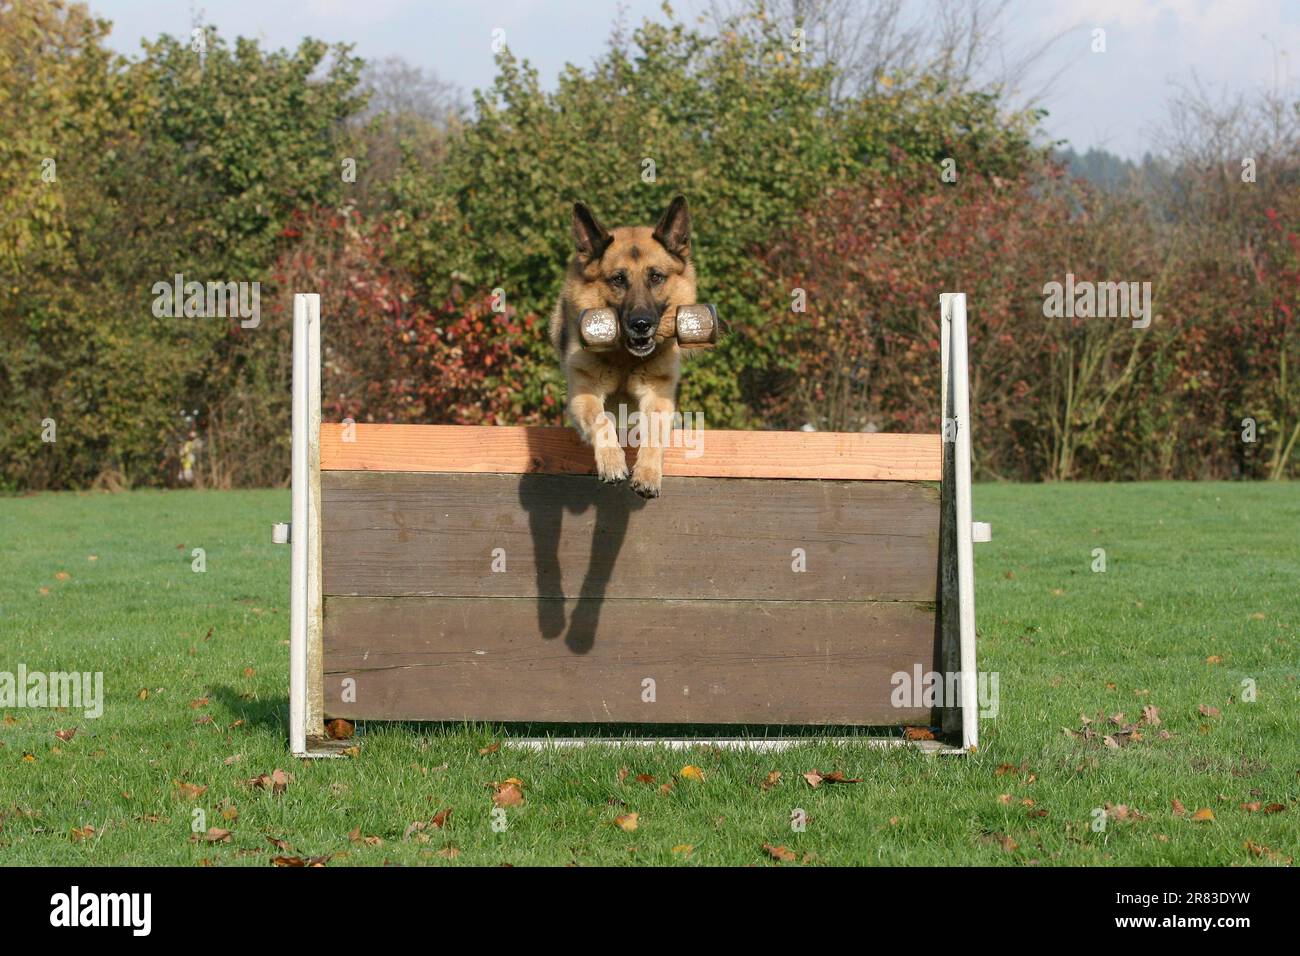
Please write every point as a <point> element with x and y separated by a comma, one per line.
<point>1199,596</point>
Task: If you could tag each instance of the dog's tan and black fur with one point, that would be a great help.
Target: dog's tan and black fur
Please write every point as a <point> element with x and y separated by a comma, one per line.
<point>643,274</point>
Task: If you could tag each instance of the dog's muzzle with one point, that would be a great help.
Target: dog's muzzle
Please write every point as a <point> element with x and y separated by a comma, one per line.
<point>640,332</point>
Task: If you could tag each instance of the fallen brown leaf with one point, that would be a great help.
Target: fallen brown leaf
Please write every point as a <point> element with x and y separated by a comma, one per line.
<point>1123,813</point>
<point>339,729</point>
<point>1259,850</point>
<point>835,776</point>
<point>779,853</point>
<point>508,795</point>
<point>1001,839</point>
<point>277,781</point>
<point>816,778</point>
<point>190,791</point>
<point>418,828</point>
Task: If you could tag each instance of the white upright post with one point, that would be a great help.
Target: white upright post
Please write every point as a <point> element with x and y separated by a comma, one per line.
<point>303,590</point>
<point>959,370</point>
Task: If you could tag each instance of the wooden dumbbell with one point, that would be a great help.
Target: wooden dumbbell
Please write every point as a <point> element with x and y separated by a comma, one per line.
<point>693,326</point>
<point>598,329</point>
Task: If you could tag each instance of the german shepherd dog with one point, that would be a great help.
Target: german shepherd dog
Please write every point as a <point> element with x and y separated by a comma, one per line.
<point>642,274</point>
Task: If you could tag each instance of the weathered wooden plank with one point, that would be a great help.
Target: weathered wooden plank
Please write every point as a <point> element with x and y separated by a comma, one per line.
<point>504,449</point>
<point>393,533</point>
<point>588,661</point>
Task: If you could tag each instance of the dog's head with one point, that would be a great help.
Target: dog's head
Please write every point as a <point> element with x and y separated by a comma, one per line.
<point>639,272</point>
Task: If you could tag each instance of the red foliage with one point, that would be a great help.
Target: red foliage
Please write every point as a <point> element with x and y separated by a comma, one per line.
<point>389,355</point>
<point>1053,397</point>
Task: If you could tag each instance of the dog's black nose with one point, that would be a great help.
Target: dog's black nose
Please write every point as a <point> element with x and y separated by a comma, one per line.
<point>641,323</point>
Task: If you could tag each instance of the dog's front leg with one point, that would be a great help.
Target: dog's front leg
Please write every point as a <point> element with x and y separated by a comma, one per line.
<point>654,396</point>
<point>596,426</point>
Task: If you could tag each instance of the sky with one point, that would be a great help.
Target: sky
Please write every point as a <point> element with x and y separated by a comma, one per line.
<point>1114,99</point>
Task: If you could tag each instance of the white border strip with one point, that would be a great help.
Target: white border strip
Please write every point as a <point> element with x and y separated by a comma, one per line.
<point>306,372</point>
<point>759,744</point>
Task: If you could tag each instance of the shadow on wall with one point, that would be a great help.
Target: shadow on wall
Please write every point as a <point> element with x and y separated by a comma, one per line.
<point>547,498</point>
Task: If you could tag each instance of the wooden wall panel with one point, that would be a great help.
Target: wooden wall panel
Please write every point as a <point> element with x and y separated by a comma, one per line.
<point>715,662</point>
<point>392,533</point>
<point>852,456</point>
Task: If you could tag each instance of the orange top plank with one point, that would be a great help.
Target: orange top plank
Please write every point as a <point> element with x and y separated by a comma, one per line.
<point>508,449</point>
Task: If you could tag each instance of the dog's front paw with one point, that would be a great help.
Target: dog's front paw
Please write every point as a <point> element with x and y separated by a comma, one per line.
<point>611,463</point>
<point>647,479</point>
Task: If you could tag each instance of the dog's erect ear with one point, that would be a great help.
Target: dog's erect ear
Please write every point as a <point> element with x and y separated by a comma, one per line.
<point>589,236</point>
<point>674,229</point>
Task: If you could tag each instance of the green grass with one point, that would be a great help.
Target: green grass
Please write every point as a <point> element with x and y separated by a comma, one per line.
<point>1199,594</point>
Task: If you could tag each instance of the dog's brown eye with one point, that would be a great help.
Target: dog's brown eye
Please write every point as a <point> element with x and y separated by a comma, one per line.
<point>618,279</point>
<point>656,278</point>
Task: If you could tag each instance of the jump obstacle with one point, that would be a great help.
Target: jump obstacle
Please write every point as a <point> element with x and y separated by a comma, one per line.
<point>784,579</point>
